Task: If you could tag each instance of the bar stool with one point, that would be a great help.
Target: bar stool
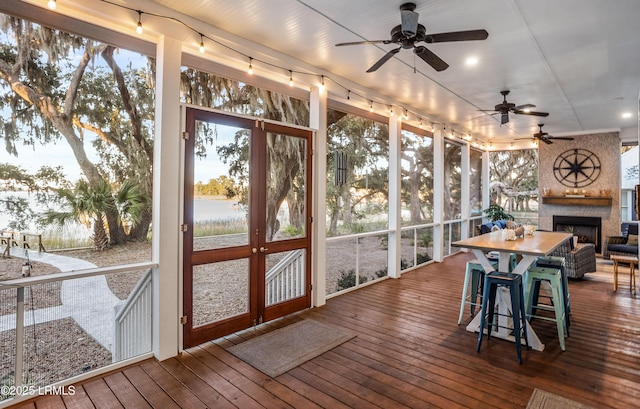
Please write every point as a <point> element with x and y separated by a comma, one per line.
<point>553,277</point>
<point>555,262</point>
<point>475,271</point>
<point>514,283</point>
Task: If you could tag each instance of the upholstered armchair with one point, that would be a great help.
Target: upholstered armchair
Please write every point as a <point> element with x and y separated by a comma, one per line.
<point>623,245</point>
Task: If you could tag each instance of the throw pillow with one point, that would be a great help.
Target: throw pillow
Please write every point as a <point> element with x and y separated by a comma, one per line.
<point>632,240</point>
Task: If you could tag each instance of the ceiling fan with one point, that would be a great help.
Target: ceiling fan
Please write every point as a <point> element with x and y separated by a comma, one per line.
<point>407,34</point>
<point>545,137</point>
<point>505,107</point>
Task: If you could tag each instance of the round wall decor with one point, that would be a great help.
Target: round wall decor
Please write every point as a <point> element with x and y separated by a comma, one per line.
<point>576,167</point>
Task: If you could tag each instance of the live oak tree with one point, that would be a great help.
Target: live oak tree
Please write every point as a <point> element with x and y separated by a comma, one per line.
<point>56,91</point>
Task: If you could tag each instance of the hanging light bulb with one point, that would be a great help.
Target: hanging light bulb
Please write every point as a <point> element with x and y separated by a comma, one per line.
<point>390,110</point>
<point>52,4</point>
<point>250,70</point>
<point>290,78</point>
<point>420,123</point>
<point>371,106</point>
<point>139,26</point>
<point>406,114</point>
<point>201,43</point>
<point>322,83</point>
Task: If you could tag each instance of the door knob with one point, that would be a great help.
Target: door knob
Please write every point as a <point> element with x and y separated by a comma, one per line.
<point>254,250</point>
<point>263,249</point>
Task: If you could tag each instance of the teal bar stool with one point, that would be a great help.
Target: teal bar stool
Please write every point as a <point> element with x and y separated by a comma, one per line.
<point>559,263</point>
<point>554,278</point>
<point>475,273</point>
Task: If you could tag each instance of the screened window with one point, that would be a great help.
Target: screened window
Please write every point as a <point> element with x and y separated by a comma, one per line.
<point>417,177</point>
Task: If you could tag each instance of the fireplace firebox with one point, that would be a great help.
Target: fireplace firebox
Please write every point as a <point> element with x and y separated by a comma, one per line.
<point>588,229</point>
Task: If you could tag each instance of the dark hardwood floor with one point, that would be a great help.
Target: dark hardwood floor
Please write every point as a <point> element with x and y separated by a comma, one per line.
<point>409,352</point>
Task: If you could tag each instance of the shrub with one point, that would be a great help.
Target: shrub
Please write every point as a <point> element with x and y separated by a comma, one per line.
<point>348,279</point>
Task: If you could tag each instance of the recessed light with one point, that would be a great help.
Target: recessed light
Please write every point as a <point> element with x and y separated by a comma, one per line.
<point>626,115</point>
<point>471,61</point>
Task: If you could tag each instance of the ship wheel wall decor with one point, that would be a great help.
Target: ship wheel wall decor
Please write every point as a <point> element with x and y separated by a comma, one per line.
<point>576,168</point>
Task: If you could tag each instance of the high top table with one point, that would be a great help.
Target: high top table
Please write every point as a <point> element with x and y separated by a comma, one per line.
<point>541,243</point>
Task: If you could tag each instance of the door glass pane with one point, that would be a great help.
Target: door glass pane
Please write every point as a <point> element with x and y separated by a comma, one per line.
<point>220,290</point>
<point>285,276</point>
<point>286,191</point>
<point>220,191</point>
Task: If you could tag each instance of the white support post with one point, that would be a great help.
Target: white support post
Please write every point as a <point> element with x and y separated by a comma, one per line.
<point>167,179</point>
<point>318,120</point>
<point>395,220</point>
<point>438,193</point>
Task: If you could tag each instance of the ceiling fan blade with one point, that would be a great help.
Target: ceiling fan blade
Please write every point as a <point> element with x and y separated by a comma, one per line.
<point>561,138</point>
<point>516,111</point>
<point>384,59</point>
<point>365,42</point>
<point>524,106</point>
<point>504,118</point>
<point>468,35</point>
<point>430,58</point>
<point>545,140</point>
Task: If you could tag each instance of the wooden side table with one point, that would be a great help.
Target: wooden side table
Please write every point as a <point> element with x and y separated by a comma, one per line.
<point>633,262</point>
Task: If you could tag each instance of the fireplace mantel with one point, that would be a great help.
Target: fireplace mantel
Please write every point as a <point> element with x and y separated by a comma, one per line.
<point>577,201</point>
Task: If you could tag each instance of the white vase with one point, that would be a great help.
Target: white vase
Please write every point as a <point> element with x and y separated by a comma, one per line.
<point>575,241</point>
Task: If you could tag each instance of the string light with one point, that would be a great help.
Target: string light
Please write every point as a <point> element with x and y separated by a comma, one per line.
<point>139,26</point>
<point>52,4</point>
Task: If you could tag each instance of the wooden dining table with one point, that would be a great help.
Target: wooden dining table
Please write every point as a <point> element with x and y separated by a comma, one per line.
<point>529,247</point>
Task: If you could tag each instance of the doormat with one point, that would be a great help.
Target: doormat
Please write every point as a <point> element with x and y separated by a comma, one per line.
<point>278,351</point>
<point>544,400</point>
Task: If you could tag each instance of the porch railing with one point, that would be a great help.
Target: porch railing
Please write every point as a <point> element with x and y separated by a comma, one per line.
<point>286,279</point>
<point>132,330</point>
<point>59,326</point>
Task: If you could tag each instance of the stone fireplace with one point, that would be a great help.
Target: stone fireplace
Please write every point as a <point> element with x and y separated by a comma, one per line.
<point>588,229</point>
<point>606,146</point>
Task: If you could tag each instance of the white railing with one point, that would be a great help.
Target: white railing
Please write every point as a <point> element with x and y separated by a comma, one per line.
<point>286,280</point>
<point>50,344</point>
<point>133,319</point>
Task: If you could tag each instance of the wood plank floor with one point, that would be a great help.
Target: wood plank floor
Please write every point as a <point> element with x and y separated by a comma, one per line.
<point>408,353</point>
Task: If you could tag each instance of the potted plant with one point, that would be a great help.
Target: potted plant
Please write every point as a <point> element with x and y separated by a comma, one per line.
<point>496,212</point>
<point>572,230</point>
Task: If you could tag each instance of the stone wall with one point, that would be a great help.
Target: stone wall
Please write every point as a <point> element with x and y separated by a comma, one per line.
<point>606,146</point>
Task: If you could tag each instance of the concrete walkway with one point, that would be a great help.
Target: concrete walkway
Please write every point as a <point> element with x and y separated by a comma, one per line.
<point>89,301</point>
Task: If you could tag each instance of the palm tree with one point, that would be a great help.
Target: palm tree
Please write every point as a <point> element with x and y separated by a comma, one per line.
<point>88,205</point>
